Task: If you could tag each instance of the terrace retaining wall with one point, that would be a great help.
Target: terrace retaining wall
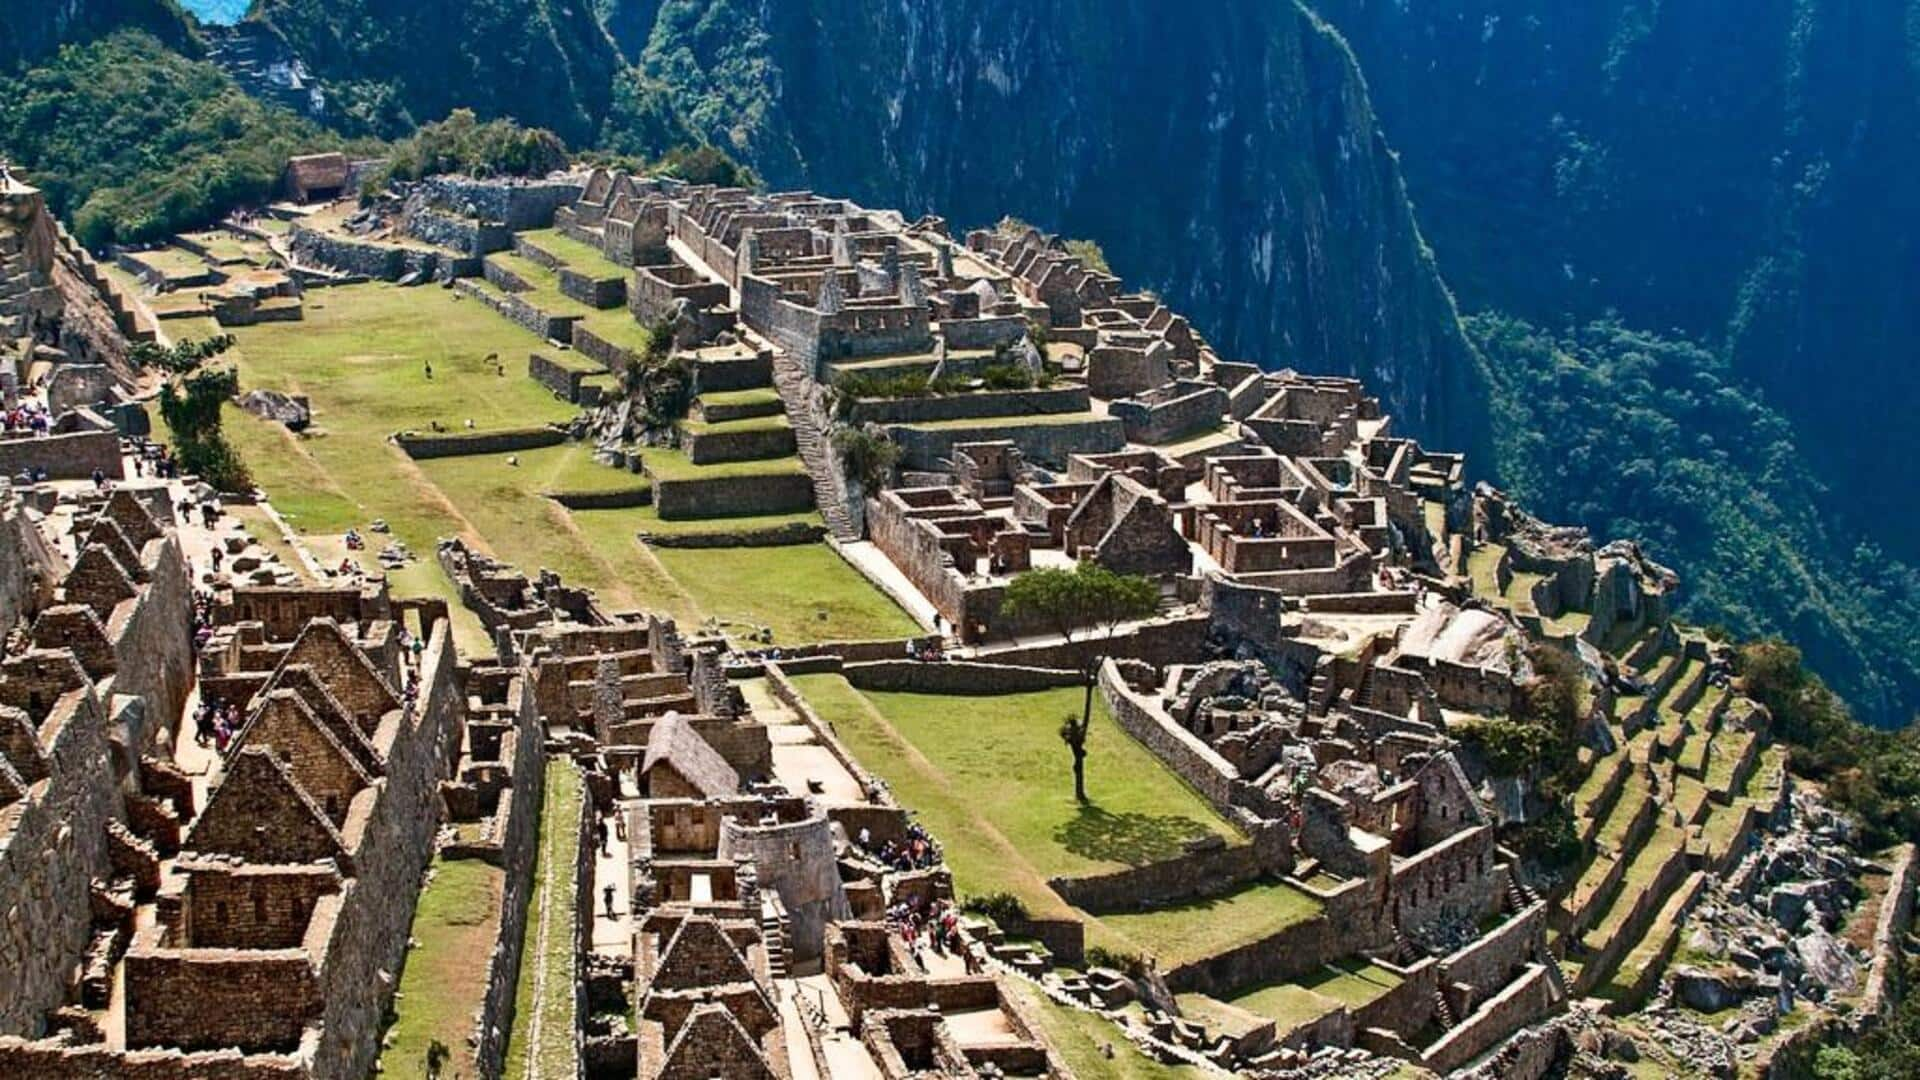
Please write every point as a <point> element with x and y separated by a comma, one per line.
<point>422,447</point>
<point>959,677</point>
<point>733,496</point>
<point>980,403</point>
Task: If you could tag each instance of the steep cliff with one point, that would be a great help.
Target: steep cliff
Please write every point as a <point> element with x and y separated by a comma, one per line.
<point>31,29</point>
<point>388,65</point>
<point>1735,169</point>
<point>1230,162</point>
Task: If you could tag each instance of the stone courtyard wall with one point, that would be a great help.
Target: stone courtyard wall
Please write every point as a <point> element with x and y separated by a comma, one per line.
<point>958,677</point>
<point>57,847</point>
<point>422,447</point>
<point>527,794</point>
<point>65,457</point>
<point>732,496</point>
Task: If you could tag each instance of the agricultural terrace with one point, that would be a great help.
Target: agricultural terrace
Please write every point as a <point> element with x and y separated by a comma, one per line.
<point>361,356</point>
<point>989,777</point>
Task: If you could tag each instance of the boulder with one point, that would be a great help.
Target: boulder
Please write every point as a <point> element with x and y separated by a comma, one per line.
<point>1705,991</point>
<point>291,410</point>
<point>1827,962</point>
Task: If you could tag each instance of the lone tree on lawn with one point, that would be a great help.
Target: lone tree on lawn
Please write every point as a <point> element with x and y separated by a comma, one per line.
<point>1088,596</point>
<point>1073,732</point>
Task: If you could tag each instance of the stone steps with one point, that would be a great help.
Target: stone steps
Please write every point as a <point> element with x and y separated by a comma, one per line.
<point>812,445</point>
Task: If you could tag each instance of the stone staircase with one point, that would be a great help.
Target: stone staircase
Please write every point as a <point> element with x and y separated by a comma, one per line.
<point>773,934</point>
<point>822,468</point>
<point>263,67</point>
<point>1443,1012</point>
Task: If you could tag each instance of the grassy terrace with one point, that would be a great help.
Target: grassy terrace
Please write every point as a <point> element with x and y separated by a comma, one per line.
<point>759,396</point>
<point>584,258</point>
<point>989,778</point>
<point>172,263</point>
<point>1082,1037</point>
<point>541,1043</point>
<point>671,464</point>
<point>1353,982</point>
<point>361,356</point>
<point>444,977</point>
<point>729,427</point>
<point>1483,566</point>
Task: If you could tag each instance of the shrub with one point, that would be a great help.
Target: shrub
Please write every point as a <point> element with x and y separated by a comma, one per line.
<point>866,457</point>
<point>1001,907</point>
<point>1132,965</point>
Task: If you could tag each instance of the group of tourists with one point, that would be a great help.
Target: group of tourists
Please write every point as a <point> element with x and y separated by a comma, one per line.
<point>29,415</point>
<point>916,851</point>
<point>935,926</point>
<point>215,724</point>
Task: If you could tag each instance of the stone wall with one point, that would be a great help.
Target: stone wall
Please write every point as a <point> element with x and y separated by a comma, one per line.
<point>57,846</point>
<point>65,457</point>
<point>1147,421</point>
<point>1205,873</point>
<point>527,794</point>
<point>595,292</point>
<point>517,204</point>
<point>707,446</point>
<point>466,235</point>
<point>56,1060</point>
<point>558,378</point>
<point>1046,443</point>
<point>1528,998</point>
<point>979,403</point>
<point>787,535</point>
<point>959,677</point>
<point>154,650</point>
<point>719,374</point>
<point>372,935</point>
<point>1179,749</point>
<point>1180,639</point>
<point>511,306</point>
<point>985,332</point>
<point>461,444</point>
<point>733,496</point>
<point>1489,961</point>
<point>381,262</point>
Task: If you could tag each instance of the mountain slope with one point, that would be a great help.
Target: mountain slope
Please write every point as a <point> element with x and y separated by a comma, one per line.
<point>393,64</point>
<point>35,28</point>
<point>1230,162</point>
<point>1733,169</point>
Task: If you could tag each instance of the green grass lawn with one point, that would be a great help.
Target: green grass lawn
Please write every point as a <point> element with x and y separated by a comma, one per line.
<point>1202,928</point>
<point>729,427</point>
<point>543,1018</point>
<point>173,263</point>
<point>804,592</point>
<point>361,354</point>
<point>444,977</point>
<point>1082,1039</point>
<point>1483,566</point>
<point>763,396</point>
<point>585,258</point>
<point>989,777</point>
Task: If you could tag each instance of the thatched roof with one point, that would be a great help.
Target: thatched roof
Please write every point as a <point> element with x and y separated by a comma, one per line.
<point>674,742</point>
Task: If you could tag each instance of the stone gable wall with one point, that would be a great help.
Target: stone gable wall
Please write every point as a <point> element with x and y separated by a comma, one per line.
<point>65,457</point>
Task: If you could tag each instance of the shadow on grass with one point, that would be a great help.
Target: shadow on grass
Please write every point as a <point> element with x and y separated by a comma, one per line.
<point>1132,838</point>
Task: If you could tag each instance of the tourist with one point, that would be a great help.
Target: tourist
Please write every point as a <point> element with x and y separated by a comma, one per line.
<point>607,893</point>
<point>600,830</point>
<point>99,479</point>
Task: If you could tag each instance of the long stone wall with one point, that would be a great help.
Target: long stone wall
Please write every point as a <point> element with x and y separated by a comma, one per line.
<point>1528,997</point>
<point>421,447</point>
<point>959,677</point>
<point>1205,873</point>
<point>378,915</point>
<point>733,496</point>
<point>1194,761</point>
<point>1047,443</point>
<point>65,457</point>
<point>528,793</point>
<point>57,848</point>
<point>381,262</point>
<point>980,403</point>
<point>709,446</point>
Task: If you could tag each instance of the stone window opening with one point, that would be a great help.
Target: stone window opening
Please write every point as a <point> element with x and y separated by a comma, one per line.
<point>333,805</point>
<point>220,911</point>
<point>793,851</point>
<point>259,907</point>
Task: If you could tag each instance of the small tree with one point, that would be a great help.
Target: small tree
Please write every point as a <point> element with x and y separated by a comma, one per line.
<point>190,404</point>
<point>437,1055</point>
<point>1073,732</point>
<point>867,457</point>
<point>1089,595</point>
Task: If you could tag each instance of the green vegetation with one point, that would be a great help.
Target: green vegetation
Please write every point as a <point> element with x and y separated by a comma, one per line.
<point>802,592</point>
<point>132,141</point>
<point>454,924</point>
<point>463,144</point>
<point>543,1014</point>
<point>986,776</point>
<point>1875,774</point>
<point>1083,1038</point>
<point>191,406</point>
<point>1889,1050</point>
<point>865,456</point>
<point>1639,436</point>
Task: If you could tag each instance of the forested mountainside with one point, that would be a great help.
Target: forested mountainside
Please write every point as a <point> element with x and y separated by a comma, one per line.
<point>1738,171</point>
<point>1231,162</point>
<point>32,29</point>
<point>389,65</point>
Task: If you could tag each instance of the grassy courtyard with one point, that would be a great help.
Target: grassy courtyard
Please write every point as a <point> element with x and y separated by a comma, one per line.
<point>990,778</point>
<point>541,1043</point>
<point>362,356</point>
<point>444,980</point>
